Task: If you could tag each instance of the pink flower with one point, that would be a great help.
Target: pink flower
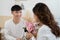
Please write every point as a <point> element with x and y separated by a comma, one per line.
<point>30,27</point>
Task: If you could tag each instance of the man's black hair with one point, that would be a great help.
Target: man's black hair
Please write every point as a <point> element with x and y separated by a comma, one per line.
<point>16,8</point>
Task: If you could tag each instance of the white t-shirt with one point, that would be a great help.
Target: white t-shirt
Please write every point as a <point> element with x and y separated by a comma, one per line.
<point>13,31</point>
<point>44,33</point>
<point>32,38</point>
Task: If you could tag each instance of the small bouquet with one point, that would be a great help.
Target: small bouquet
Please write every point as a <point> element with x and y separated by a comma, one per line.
<point>30,27</point>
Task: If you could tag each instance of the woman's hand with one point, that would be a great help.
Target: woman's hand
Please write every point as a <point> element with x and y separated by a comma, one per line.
<point>28,35</point>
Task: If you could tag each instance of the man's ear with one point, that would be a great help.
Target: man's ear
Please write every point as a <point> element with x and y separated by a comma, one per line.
<point>11,12</point>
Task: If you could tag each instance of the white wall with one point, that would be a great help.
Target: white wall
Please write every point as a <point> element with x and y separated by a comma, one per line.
<point>54,6</point>
<point>5,6</point>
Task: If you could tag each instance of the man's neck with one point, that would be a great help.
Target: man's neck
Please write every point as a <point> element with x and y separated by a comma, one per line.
<point>16,21</point>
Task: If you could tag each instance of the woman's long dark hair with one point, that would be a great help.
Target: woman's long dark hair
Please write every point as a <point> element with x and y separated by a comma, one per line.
<point>45,16</point>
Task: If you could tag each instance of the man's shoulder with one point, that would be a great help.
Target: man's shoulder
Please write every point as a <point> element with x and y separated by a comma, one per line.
<point>8,21</point>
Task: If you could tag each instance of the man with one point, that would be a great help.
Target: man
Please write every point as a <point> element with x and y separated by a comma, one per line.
<point>14,27</point>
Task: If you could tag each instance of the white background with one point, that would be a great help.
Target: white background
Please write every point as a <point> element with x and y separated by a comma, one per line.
<point>5,6</point>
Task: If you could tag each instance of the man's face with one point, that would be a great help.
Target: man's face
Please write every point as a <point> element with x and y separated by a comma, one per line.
<point>17,14</point>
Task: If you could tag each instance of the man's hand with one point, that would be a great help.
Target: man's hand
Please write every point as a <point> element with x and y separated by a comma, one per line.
<point>18,39</point>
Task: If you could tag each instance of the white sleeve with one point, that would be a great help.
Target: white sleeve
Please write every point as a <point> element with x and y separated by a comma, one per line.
<point>45,34</point>
<point>33,38</point>
<point>7,33</point>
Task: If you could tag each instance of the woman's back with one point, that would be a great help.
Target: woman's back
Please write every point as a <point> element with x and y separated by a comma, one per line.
<point>44,33</point>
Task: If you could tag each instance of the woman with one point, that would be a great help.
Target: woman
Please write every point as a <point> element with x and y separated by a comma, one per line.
<point>48,30</point>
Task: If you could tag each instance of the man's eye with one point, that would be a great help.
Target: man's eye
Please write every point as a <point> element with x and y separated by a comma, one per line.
<point>16,12</point>
<point>20,12</point>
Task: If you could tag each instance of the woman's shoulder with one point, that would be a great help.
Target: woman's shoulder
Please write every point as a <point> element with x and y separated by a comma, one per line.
<point>44,28</point>
<point>58,38</point>
<point>45,31</point>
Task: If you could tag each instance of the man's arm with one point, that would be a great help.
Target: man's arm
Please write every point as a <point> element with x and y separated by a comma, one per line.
<point>7,32</point>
